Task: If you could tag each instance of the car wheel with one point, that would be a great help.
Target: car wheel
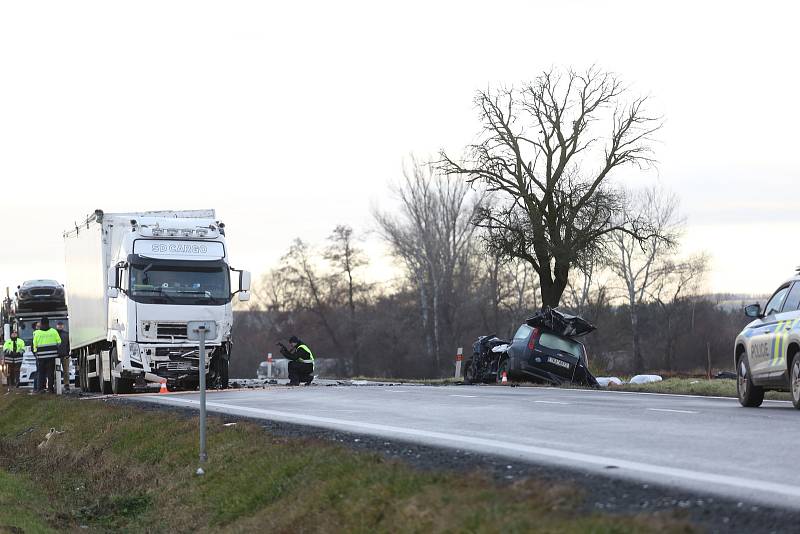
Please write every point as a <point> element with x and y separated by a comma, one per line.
<point>469,372</point>
<point>794,379</point>
<point>750,395</point>
<point>502,367</point>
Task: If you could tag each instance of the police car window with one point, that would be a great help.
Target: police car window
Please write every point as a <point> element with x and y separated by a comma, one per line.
<point>776,302</point>
<point>523,332</point>
<point>792,299</point>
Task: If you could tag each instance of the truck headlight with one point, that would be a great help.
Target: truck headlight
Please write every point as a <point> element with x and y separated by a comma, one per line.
<point>133,350</point>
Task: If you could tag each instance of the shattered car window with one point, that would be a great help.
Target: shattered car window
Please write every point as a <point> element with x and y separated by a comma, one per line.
<point>523,333</point>
<point>558,343</point>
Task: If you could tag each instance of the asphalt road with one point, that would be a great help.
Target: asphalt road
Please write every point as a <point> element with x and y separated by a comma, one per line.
<point>710,446</point>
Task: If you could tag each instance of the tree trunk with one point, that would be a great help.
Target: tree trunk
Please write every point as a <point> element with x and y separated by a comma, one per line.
<point>638,360</point>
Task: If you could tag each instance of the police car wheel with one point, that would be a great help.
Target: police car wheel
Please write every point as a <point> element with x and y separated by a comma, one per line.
<point>794,378</point>
<point>750,396</point>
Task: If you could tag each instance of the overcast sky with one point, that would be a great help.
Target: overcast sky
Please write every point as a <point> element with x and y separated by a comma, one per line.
<point>289,118</point>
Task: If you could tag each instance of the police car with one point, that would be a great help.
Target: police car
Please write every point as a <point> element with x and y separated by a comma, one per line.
<point>767,351</point>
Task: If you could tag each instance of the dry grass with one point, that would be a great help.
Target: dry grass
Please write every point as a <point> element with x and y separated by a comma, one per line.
<point>126,469</point>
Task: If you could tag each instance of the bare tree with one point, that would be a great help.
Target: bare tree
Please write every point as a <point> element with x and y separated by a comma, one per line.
<point>346,258</point>
<point>548,150</point>
<point>432,238</point>
<point>639,263</point>
<point>678,280</point>
<point>523,286</point>
<point>309,289</point>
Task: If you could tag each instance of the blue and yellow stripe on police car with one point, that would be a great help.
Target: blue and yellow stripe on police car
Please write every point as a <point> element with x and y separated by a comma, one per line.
<point>779,345</point>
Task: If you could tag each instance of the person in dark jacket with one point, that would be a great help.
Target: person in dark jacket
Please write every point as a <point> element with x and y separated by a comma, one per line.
<point>63,353</point>
<point>301,361</point>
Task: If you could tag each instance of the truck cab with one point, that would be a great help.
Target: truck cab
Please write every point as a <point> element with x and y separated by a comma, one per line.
<point>148,275</point>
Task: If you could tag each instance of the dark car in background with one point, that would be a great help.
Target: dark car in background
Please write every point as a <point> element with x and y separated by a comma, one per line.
<point>40,295</point>
<point>543,350</point>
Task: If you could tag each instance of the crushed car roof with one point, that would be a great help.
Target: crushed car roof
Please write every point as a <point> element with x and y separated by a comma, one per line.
<point>560,323</point>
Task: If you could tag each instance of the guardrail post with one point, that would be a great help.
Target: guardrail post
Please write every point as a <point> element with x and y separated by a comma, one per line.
<point>459,359</point>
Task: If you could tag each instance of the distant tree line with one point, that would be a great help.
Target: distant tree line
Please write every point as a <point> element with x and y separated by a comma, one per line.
<point>527,217</point>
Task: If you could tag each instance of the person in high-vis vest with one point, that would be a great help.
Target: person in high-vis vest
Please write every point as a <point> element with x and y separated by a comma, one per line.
<point>301,362</point>
<point>13,351</point>
<point>45,346</point>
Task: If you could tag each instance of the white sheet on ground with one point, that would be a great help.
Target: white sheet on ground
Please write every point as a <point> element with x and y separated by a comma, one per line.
<point>645,379</point>
<point>604,381</point>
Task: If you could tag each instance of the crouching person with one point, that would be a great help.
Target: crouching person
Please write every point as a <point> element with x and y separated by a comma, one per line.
<point>301,361</point>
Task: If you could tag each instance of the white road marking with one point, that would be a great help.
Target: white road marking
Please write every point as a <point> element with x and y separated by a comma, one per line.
<point>465,396</point>
<point>595,391</point>
<point>662,472</point>
<point>668,410</point>
<point>550,402</point>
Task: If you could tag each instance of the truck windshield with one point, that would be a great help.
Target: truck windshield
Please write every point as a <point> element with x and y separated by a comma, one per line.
<point>186,283</point>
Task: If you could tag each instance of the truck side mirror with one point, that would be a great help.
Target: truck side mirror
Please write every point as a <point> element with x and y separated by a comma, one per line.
<point>113,285</point>
<point>244,281</point>
<point>244,296</point>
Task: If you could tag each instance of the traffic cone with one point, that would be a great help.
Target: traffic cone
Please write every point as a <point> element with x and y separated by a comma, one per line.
<point>163,387</point>
<point>504,380</point>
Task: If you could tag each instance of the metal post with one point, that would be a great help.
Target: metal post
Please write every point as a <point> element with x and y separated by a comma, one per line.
<point>459,358</point>
<point>202,372</point>
<point>199,331</point>
<point>269,365</point>
<point>59,376</point>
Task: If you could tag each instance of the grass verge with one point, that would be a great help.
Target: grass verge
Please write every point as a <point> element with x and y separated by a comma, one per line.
<point>128,469</point>
<point>694,386</point>
<point>22,508</point>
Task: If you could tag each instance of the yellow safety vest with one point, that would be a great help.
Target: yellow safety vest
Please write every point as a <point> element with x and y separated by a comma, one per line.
<point>310,358</point>
<point>9,345</point>
<point>46,342</point>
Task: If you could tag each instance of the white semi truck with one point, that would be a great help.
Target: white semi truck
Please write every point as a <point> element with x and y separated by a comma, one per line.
<point>134,281</point>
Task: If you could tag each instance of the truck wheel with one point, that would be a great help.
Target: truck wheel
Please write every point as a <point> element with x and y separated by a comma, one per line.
<point>119,385</point>
<point>80,379</point>
<point>750,395</point>
<point>218,372</point>
<point>105,387</point>
<point>92,384</point>
<point>469,372</point>
<point>794,381</point>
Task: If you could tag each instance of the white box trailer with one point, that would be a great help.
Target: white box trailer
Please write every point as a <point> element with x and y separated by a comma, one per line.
<point>134,282</point>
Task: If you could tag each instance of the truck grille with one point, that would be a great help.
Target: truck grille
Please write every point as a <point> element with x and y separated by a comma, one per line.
<point>171,331</point>
<point>178,366</point>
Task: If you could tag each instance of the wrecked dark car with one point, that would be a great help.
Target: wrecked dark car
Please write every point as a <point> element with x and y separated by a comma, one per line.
<point>544,350</point>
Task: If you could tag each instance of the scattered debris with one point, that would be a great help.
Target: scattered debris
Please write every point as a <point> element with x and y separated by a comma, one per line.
<point>730,375</point>
<point>606,381</point>
<point>26,431</point>
<point>229,424</point>
<point>50,435</point>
